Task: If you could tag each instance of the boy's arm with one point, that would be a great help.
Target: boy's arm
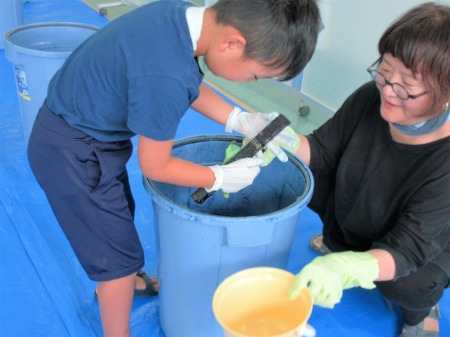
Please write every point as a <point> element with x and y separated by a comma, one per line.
<point>157,163</point>
<point>211,105</point>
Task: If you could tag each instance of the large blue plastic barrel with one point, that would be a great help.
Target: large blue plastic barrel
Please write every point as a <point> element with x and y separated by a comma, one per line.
<point>11,16</point>
<point>37,51</point>
<point>202,244</point>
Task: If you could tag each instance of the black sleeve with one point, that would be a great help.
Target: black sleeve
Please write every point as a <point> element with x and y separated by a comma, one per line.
<point>329,141</point>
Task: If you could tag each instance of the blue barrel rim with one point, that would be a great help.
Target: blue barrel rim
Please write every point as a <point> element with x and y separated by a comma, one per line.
<point>32,51</point>
<point>305,197</point>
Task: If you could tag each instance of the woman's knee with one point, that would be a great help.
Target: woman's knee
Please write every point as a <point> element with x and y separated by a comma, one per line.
<point>423,288</point>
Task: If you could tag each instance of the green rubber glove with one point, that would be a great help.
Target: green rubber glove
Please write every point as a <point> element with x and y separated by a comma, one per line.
<point>287,139</point>
<point>327,276</point>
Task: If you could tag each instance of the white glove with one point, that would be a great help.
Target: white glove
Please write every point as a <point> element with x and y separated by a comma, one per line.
<point>234,176</point>
<point>250,124</point>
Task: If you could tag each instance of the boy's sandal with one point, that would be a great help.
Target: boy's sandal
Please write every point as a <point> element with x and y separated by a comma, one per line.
<point>418,330</point>
<point>316,243</point>
<point>150,286</point>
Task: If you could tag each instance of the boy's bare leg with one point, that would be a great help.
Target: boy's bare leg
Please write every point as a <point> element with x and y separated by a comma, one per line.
<point>115,298</point>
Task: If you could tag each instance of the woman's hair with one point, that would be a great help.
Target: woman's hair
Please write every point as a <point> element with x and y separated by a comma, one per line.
<point>421,40</point>
<point>279,33</point>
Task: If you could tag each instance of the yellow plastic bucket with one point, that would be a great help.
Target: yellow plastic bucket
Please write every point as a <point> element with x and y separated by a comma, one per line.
<point>255,303</point>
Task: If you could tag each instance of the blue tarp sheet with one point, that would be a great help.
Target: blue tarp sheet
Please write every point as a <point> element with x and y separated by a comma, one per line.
<point>44,291</point>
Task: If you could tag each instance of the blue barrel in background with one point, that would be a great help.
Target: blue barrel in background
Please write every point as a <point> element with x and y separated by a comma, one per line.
<point>11,16</point>
<point>37,51</point>
<point>202,244</point>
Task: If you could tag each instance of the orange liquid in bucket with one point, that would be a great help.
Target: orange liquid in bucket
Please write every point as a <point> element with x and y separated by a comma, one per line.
<point>271,321</point>
<point>255,303</point>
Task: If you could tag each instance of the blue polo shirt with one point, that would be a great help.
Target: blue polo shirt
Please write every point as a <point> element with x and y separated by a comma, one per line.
<point>137,75</point>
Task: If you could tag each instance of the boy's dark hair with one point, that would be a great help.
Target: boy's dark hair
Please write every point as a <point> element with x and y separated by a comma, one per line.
<point>421,40</point>
<point>279,33</point>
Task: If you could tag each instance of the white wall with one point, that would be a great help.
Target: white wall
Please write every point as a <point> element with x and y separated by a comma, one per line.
<point>208,3</point>
<point>347,46</point>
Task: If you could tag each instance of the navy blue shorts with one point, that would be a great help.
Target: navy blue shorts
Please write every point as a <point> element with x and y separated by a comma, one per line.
<point>86,183</point>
